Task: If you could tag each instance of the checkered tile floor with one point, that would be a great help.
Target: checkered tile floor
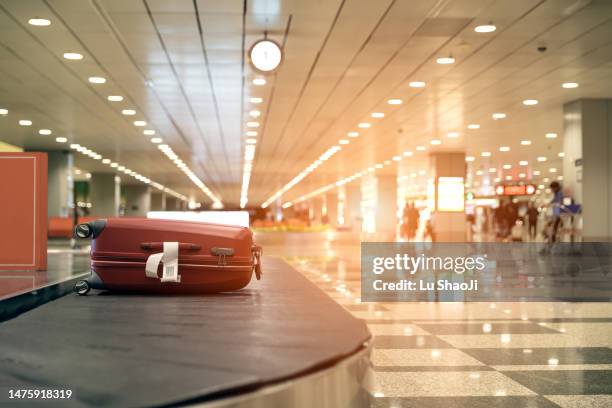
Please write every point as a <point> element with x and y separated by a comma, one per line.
<point>475,354</point>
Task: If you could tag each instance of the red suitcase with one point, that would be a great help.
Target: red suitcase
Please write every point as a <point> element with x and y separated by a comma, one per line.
<point>195,257</point>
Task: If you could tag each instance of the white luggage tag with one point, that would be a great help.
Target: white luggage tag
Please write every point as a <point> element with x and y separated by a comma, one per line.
<point>169,259</point>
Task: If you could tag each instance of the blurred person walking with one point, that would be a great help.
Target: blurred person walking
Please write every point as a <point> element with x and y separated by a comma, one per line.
<point>532,221</point>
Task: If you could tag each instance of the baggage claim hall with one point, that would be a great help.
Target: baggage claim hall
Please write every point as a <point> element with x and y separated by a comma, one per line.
<point>306,203</point>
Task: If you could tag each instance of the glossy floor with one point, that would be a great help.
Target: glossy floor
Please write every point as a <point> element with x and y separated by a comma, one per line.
<point>483,354</point>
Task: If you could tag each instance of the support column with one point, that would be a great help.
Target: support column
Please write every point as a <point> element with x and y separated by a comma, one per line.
<point>317,211</point>
<point>447,196</point>
<point>331,200</point>
<point>386,206</point>
<point>353,205</point>
<point>137,199</point>
<point>104,193</point>
<point>587,174</point>
<point>60,184</point>
<point>158,201</point>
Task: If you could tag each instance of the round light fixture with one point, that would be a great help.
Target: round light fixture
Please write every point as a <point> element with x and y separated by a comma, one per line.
<point>73,56</point>
<point>485,28</point>
<point>569,85</point>
<point>446,60</point>
<point>41,22</point>
<point>265,55</point>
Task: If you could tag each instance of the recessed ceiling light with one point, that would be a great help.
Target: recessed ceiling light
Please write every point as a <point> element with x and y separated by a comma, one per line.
<point>523,163</point>
<point>397,158</point>
<point>407,153</point>
<point>508,178</point>
<point>97,80</point>
<point>251,133</point>
<point>353,134</point>
<point>541,159</point>
<point>435,142</point>
<point>522,175</point>
<point>525,142</point>
<point>492,170</point>
<point>485,154</point>
<point>473,126</point>
<point>41,22</point>
<point>536,172</point>
<point>416,84</point>
<point>156,140</point>
<point>106,161</point>
<point>114,165</point>
<point>561,154</point>
<point>504,149</point>
<point>115,98</point>
<point>73,56</point>
<point>395,101</point>
<point>25,122</point>
<point>498,115</point>
<point>387,162</point>
<point>256,100</point>
<point>148,132</point>
<point>44,132</point>
<point>343,141</point>
<point>128,112</point>
<point>479,172</point>
<point>364,125</point>
<point>377,115</point>
<point>507,166</point>
<point>551,135</point>
<point>530,102</point>
<point>569,85</point>
<point>420,148</point>
<point>552,170</point>
<point>61,139</point>
<point>253,124</point>
<point>254,113</point>
<point>140,123</point>
<point>485,28</point>
<point>259,81</point>
<point>251,141</point>
<point>445,60</point>
<point>469,158</point>
<point>452,135</point>
<point>3,112</point>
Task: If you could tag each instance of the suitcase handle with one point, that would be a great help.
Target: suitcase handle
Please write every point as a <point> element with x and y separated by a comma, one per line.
<point>159,246</point>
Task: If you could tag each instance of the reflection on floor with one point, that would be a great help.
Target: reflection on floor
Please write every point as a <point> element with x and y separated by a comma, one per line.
<point>544,354</point>
<point>63,264</point>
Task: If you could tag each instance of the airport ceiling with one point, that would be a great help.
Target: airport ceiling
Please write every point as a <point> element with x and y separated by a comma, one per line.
<point>182,66</point>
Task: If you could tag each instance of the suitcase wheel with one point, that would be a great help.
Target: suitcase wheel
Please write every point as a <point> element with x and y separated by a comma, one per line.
<point>81,288</point>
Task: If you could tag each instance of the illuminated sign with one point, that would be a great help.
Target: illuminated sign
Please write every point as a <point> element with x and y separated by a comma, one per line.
<point>525,189</point>
<point>451,194</point>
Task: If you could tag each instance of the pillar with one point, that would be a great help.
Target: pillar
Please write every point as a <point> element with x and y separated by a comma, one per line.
<point>353,205</point>
<point>447,196</point>
<point>137,199</point>
<point>158,201</point>
<point>104,194</point>
<point>60,184</point>
<point>386,206</point>
<point>331,201</point>
<point>317,211</point>
<point>172,203</point>
<point>587,174</point>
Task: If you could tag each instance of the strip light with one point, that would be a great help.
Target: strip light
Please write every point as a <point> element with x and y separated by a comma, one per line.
<point>88,152</point>
<point>167,150</point>
<point>323,158</point>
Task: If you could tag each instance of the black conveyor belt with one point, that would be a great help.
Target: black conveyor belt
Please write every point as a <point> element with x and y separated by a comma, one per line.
<point>135,350</point>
